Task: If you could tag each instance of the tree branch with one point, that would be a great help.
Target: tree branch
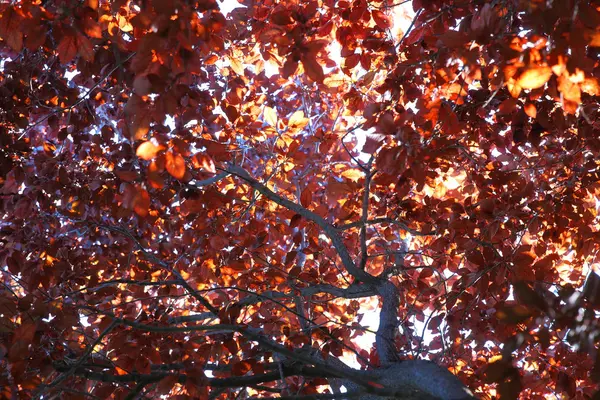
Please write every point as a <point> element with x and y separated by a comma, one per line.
<point>351,292</point>
<point>210,181</point>
<point>163,264</point>
<point>39,393</point>
<point>385,220</point>
<point>364,256</point>
<point>388,323</point>
<point>327,228</point>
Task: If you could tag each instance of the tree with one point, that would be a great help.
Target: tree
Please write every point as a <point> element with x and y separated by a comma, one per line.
<point>199,204</point>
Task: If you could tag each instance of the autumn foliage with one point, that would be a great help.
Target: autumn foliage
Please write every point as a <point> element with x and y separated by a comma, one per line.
<point>200,202</point>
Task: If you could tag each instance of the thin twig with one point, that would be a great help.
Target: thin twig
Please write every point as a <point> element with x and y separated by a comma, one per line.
<point>80,100</point>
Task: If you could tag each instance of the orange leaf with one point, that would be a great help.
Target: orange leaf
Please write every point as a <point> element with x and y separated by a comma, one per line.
<point>120,371</point>
<point>534,77</point>
<point>203,160</point>
<point>92,29</point>
<point>530,110</point>
<point>591,86</point>
<point>147,151</point>
<point>141,202</point>
<point>297,120</point>
<point>353,174</point>
<point>210,60</point>
<point>593,38</point>
<point>138,113</point>
<point>175,165</point>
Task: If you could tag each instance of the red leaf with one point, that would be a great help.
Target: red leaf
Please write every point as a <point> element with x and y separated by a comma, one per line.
<point>127,176</point>
<point>10,28</point>
<point>283,17</point>
<point>289,67</point>
<point>204,161</point>
<point>86,50</point>
<point>67,48</point>
<point>507,106</point>
<point>138,116</point>
<point>218,242</point>
<point>454,39</point>
<point>141,202</point>
<point>36,36</point>
<point>142,365</point>
<point>25,332</point>
<point>241,368</point>
<point>312,68</point>
<point>476,258</point>
<point>306,197</point>
<point>381,19</point>
<point>166,384</point>
<point>175,165</point>
<point>295,220</point>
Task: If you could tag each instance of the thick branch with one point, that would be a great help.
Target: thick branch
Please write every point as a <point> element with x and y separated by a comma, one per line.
<point>388,323</point>
<point>210,181</point>
<point>327,228</point>
<point>340,396</point>
<point>365,217</point>
<point>191,318</point>
<point>174,329</point>
<point>351,292</point>
<point>321,370</point>
<point>238,381</point>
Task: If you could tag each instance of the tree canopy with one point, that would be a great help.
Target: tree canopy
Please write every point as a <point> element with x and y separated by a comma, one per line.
<point>207,203</point>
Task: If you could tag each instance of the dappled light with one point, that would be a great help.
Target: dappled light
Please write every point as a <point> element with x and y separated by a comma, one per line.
<point>299,199</point>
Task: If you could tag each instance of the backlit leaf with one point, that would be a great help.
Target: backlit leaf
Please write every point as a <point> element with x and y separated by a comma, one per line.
<point>270,116</point>
<point>530,110</point>
<point>147,150</point>
<point>297,121</point>
<point>534,77</point>
<point>353,174</point>
<point>381,19</point>
<point>175,164</point>
<point>236,66</point>
<point>141,202</point>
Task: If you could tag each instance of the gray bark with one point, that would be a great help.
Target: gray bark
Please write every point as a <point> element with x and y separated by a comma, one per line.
<point>414,380</point>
